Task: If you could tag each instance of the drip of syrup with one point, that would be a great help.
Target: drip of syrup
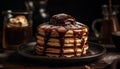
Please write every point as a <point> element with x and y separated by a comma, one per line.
<point>62,38</point>
<point>47,35</point>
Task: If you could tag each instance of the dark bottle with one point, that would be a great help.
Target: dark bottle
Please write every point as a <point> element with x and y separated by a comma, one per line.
<point>40,14</point>
<point>110,24</point>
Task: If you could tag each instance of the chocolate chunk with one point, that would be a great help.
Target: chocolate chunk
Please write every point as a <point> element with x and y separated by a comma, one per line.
<point>62,19</point>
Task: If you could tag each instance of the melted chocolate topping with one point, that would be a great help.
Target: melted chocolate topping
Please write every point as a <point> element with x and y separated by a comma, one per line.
<point>62,19</point>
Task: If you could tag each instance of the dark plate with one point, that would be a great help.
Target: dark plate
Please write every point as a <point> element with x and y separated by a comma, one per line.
<point>96,52</point>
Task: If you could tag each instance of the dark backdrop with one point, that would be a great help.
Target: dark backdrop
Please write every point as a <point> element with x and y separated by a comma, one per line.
<point>84,11</point>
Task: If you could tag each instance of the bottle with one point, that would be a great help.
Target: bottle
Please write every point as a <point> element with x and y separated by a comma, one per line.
<point>115,19</point>
<point>110,24</point>
<point>40,14</point>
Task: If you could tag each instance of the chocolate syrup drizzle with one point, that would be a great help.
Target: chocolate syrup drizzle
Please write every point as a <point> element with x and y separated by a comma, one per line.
<point>61,35</point>
<point>47,37</point>
<point>75,50</point>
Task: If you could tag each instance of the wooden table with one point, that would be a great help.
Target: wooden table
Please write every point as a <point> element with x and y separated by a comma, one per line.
<point>12,60</point>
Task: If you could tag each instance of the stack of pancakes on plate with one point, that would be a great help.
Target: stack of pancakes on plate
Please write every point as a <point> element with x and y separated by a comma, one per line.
<point>62,36</point>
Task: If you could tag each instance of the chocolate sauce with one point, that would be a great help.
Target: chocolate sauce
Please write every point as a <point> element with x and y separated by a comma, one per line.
<point>61,36</point>
<point>75,51</point>
<point>82,44</point>
<point>62,19</point>
<point>47,37</point>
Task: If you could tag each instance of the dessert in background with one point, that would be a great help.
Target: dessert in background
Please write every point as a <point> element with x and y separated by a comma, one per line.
<point>19,21</point>
<point>16,31</point>
<point>62,36</point>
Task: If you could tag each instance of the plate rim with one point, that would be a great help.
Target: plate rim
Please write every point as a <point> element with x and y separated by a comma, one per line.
<point>65,58</point>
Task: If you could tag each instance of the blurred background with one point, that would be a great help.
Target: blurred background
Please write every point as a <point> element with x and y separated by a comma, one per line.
<point>84,11</point>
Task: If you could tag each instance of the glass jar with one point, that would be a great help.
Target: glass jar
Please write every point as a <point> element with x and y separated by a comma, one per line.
<point>17,29</point>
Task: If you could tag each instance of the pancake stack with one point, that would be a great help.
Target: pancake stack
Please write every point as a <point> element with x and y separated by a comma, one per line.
<point>62,36</point>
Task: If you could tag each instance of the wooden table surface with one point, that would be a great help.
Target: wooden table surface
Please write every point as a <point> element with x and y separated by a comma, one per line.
<point>12,60</point>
